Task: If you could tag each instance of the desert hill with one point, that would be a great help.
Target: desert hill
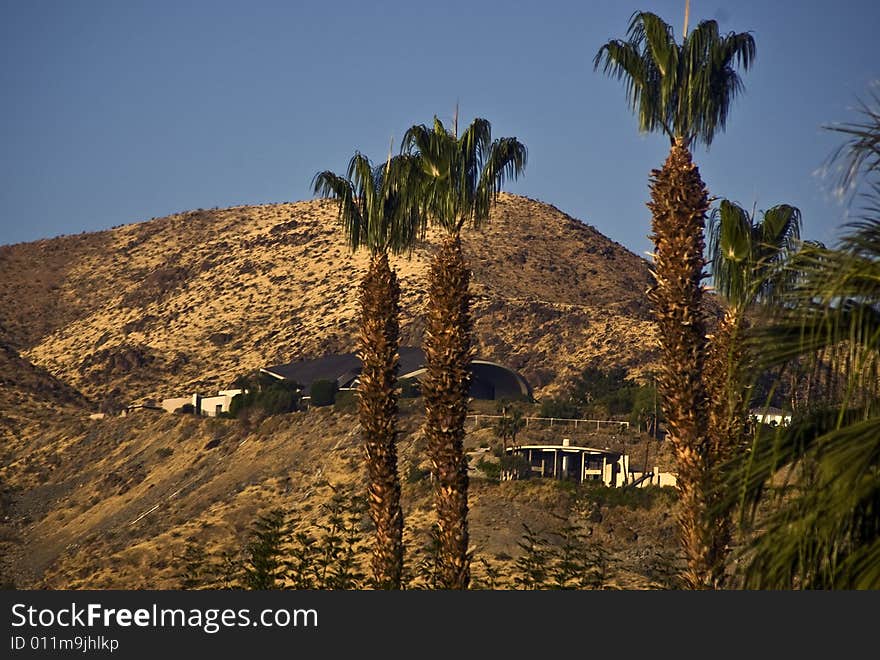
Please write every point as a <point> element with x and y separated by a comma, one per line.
<point>29,394</point>
<point>114,502</point>
<point>189,301</point>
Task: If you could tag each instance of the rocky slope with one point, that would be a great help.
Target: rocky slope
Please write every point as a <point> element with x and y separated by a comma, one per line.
<point>189,301</point>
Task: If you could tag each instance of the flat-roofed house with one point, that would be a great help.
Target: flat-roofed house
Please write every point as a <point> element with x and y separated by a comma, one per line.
<point>572,463</point>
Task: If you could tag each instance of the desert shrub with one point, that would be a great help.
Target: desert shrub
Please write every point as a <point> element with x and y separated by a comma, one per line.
<point>327,555</point>
<point>186,409</point>
<point>531,566</point>
<point>491,469</point>
<point>560,408</point>
<point>410,388</point>
<point>630,498</point>
<point>563,559</point>
<point>415,474</point>
<point>164,452</point>
<point>346,402</point>
<point>593,383</point>
<point>323,392</point>
<point>279,397</point>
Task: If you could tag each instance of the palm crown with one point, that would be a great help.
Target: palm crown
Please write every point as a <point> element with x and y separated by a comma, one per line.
<point>745,253</point>
<point>462,175</point>
<point>684,90</point>
<point>377,206</point>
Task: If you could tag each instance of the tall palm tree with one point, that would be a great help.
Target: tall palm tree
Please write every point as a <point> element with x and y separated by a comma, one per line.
<point>462,178</point>
<point>377,213</point>
<point>743,254</point>
<point>685,91</point>
<point>825,530</point>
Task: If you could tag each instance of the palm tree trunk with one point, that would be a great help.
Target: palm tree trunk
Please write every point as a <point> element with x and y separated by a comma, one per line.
<point>727,401</point>
<point>679,201</point>
<point>446,385</point>
<point>377,409</point>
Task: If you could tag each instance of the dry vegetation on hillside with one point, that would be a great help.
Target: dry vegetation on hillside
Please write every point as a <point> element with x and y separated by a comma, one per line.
<point>189,301</point>
<point>112,503</point>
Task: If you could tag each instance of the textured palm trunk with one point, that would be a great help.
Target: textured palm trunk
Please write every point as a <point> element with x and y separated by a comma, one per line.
<point>728,414</point>
<point>445,387</point>
<point>679,201</point>
<point>377,409</point>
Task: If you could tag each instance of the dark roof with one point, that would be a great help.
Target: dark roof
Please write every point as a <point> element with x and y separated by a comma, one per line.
<point>344,369</point>
<point>341,368</point>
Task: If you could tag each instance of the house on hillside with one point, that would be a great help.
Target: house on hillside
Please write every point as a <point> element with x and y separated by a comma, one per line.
<point>210,406</point>
<point>489,380</point>
<point>772,416</point>
<point>568,462</point>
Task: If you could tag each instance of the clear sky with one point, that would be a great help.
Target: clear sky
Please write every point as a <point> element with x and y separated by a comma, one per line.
<point>118,111</point>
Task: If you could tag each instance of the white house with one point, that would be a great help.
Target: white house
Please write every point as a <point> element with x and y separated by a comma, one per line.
<point>210,406</point>
<point>771,416</point>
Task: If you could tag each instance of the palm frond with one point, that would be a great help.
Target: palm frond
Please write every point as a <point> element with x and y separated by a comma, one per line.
<point>859,155</point>
<point>828,528</point>
<point>747,256</point>
<point>462,175</point>
<point>378,206</point>
<point>684,90</point>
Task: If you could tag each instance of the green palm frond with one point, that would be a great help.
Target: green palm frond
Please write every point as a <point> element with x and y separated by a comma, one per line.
<point>684,89</point>
<point>825,531</point>
<point>462,175</point>
<point>828,530</point>
<point>747,256</point>
<point>859,155</point>
<point>378,205</point>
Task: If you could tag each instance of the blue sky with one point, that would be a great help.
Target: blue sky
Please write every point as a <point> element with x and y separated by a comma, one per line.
<point>116,112</point>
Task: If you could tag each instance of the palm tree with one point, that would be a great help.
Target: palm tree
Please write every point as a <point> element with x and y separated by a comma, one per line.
<point>825,530</point>
<point>462,178</point>
<point>743,255</point>
<point>376,212</point>
<point>685,91</point>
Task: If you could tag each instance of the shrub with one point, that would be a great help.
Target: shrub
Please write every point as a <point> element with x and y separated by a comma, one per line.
<point>323,392</point>
<point>415,474</point>
<point>277,398</point>
<point>491,469</point>
<point>560,408</point>
<point>263,567</point>
<point>410,388</point>
<point>346,402</point>
<point>186,409</point>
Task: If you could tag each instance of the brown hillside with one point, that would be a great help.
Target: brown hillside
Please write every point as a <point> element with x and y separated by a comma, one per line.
<point>28,396</point>
<point>112,503</point>
<point>189,301</point>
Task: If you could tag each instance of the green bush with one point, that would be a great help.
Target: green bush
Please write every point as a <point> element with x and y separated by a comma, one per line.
<point>630,498</point>
<point>491,469</point>
<point>560,409</point>
<point>410,388</point>
<point>415,474</point>
<point>277,398</point>
<point>346,402</point>
<point>323,392</point>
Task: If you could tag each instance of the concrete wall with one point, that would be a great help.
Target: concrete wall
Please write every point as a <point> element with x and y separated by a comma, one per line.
<point>211,405</point>
<point>203,405</point>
